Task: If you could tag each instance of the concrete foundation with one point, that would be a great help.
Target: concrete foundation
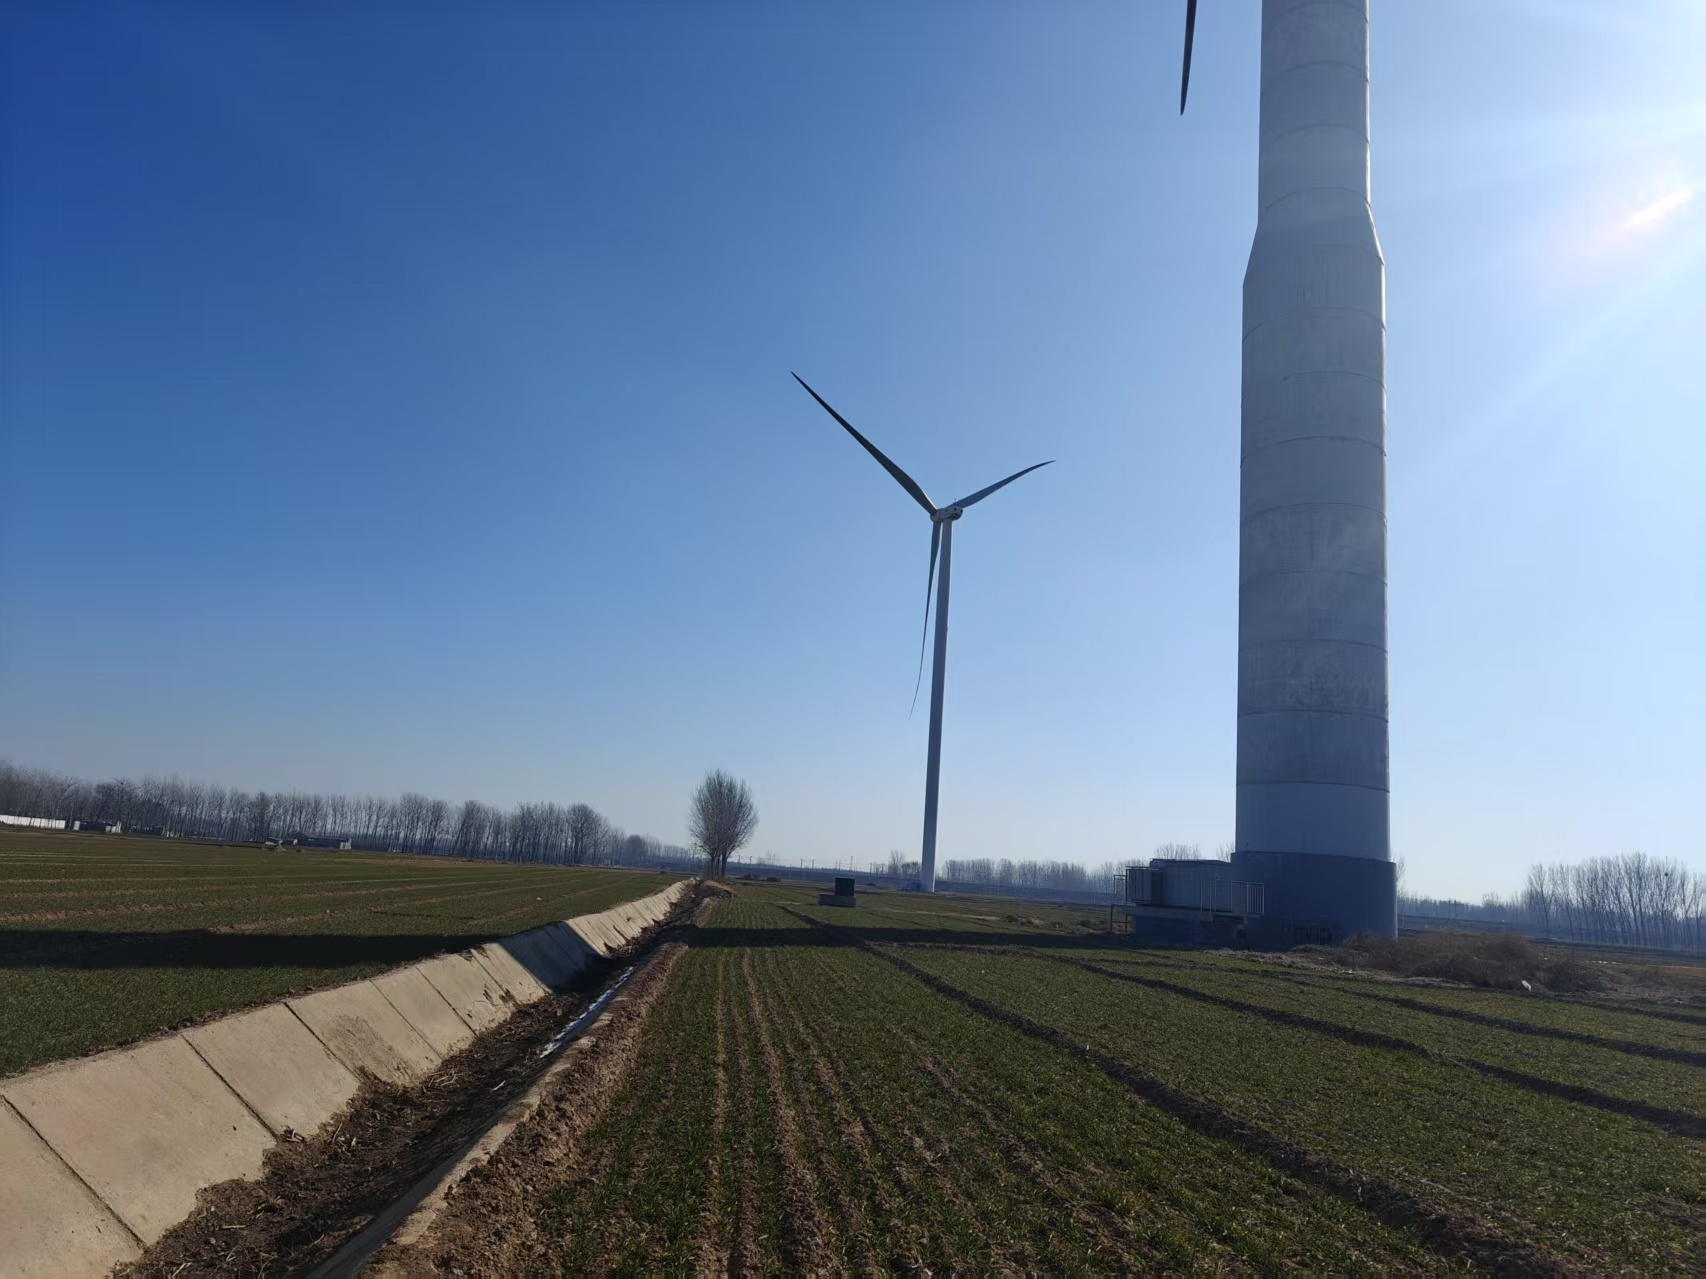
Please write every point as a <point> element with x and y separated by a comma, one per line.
<point>1315,898</point>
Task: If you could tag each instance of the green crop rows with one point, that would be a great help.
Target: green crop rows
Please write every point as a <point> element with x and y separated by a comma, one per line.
<point>104,939</point>
<point>946,1086</point>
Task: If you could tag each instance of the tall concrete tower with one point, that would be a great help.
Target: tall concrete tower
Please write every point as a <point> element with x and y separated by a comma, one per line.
<point>1312,729</point>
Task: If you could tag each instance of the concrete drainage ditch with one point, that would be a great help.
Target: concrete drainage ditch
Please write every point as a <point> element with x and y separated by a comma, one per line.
<point>100,1157</point>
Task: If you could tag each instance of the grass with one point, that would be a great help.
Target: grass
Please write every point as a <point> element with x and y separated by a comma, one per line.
<point>105,939</point>
<point>945,1085</point>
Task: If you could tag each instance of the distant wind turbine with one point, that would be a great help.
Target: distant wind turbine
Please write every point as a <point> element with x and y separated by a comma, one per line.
<point>941,539</point>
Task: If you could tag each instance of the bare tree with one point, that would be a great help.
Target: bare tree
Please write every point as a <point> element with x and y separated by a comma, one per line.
<point>1179,852</point>
<point>585,828</point>
<point>721,818</point>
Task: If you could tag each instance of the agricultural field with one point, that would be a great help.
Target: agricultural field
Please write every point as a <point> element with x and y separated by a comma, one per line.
<point>105,939</point>
<point>968,1085</point>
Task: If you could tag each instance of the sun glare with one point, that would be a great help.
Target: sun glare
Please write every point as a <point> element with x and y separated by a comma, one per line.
<point>1646,218</point>
<point>1657,211</point>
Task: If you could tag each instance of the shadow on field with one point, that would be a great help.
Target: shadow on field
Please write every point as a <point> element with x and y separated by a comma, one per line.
<point>200,948</point>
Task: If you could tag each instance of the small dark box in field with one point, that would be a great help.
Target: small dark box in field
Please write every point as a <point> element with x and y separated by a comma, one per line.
<point>843,894</point>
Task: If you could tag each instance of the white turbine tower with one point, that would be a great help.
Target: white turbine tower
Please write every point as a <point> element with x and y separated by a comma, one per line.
<point>942,520</point>
<point>1312,785</point>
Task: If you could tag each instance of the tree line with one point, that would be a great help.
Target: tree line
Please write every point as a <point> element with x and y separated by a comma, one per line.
<point>1630,899</point>
<point>1038,875</point>
<point>547,833</point>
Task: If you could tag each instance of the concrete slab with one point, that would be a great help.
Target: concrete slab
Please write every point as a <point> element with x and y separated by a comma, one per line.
<point>549,964</point>
<point>596,933</point>
<point>361,1029</point>
<point>411,994</point>
<point>569,942</point>
<point>468,988</point>
<point>605,923</point>
<point>50,1222</point>
<point>519,984</point>
<point>145,1128</point>
<point>274,1063</point>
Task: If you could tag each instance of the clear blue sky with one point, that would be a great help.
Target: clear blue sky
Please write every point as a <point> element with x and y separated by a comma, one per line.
<point>396,397</point>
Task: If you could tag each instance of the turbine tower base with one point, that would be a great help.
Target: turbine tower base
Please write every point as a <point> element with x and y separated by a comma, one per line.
<point>1317,897</point>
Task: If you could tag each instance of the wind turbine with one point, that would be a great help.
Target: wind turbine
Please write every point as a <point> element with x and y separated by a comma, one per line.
<point>1313,781</point>
<point>942,520</point>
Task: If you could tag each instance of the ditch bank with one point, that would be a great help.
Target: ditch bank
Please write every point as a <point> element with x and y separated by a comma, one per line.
<point>103,1156</point>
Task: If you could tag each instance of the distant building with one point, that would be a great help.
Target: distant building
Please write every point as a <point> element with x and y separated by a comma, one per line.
<point>39,823</point>
<point>300,840</point>
<point>85,823</point>
<point>1191,901</point>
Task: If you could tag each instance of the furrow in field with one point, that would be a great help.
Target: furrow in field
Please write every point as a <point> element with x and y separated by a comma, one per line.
<point>1574,1181</point>
<point>1190,1203</point>
<point>934,1155</point>
<point>1677,1121</point>
<point>822,1142</point>
<point>711,1244</point>
<point>874,1195</point>
<point>805,1239</point>
<point>1646,1071</point>
<point>1624,1026</point>
<point>1455,1236</point>
<point>746,1249</point>
<point>1516,1025</point>
<point>1061,1185</point>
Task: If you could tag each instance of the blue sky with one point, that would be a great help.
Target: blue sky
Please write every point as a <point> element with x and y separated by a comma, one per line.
<point>396,397</point>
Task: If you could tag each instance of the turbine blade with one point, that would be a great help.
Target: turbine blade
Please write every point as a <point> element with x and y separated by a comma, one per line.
<point>905,480</point>
<point>1000,484</point>
<point>1190,39</point>
<point>930,585</point>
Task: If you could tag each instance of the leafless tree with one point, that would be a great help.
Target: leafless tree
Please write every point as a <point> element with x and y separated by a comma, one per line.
<point>585,829</point>
<point>1179,852</point>
<point>721,818</point>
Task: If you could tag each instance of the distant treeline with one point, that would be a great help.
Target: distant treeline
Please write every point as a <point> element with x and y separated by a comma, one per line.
<point>1632,899</point>
<point>1037,875</point>
<point>1627,900</point>
<point>557,834</point>
<point>1043,876</point>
